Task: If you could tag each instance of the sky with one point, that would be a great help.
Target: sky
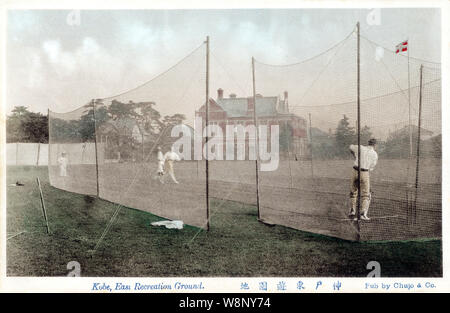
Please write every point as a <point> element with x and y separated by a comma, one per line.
<point>60,59</point>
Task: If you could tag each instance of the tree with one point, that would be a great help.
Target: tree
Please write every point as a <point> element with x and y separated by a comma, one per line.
<point>432,147</point>
<point>323,144</point>
<point>87,124</point>
<point>366,134</point>
<point>167,123</point>
<point>172,120</point>
<point>14,130</point>
<point>397,143</point>
<point>120,122</point>
<point>64,131</point>
<point>286,131</point>
<point>119,117</point>
<point>147,120</point>
<point>25,126</point>
<point>345,136</point>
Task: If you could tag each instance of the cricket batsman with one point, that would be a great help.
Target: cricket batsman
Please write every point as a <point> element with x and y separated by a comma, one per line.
<point>160,170</point>
<point>369,158</point>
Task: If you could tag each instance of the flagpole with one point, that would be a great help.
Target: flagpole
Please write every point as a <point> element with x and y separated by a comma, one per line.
<point>255,121</point>
<point>94,108</point>
<point>358,119</point>
<point>419,126</point>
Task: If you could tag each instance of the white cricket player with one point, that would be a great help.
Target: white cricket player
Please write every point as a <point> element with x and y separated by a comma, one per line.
<point>369,158</point>
<point>160,170</point>
<point>169,158</point>
<point>62,162</point>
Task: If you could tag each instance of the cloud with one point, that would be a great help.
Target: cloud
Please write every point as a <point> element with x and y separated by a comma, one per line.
<point>248,32</point>
<point>89,59</point>
<point>75,64</point>
<point>63,79</point>
<point>35,67</point>
<point>21,20</point>
<point>52,48</point>
<point>137,34</point>
<point>90,46</point>
<point>223,25</point>
<point>262,41</point>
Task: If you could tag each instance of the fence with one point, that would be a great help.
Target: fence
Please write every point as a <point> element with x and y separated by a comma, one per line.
<point>19,153</point>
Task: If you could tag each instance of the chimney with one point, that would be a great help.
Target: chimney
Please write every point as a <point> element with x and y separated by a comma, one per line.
<point>232,95</point>
<point>286,103</point>
<point>219,93</point>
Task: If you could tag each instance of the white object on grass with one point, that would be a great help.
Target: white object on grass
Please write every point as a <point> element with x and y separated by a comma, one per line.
<point>169,224</point>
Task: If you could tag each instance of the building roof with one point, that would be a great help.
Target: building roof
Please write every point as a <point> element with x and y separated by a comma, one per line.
<point>234,107</point>
<point>242,107</point>
<point>238,107</point>
<point>414,129</point>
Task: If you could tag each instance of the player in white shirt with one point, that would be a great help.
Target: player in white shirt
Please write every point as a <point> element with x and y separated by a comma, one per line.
<point>160,170</point>
<point>62,162</point>
<point>369,158</point>
<point>170,157</point>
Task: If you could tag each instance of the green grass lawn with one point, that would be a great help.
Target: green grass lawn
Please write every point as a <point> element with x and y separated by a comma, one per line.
<point>236,245</point>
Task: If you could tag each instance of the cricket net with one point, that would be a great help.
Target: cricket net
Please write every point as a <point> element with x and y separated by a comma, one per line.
<point>115,145</point>
<point>317,124</point>
<point>307,116</point>
<point>71,152</point>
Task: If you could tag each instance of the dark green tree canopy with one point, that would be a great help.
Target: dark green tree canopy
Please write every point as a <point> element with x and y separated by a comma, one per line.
<point>25,126</point>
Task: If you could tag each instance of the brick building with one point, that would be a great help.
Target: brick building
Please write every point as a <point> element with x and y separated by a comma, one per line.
<point>269,110</point>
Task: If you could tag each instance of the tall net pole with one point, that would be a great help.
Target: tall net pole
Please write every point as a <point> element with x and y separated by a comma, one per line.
<point>409,206</point>
<point>143,146</point>
<point>49,144</point>
<point>206,139</point>
<point>44,211</point>
<point>38,153</point>
<point>419,125</point>
<point>358,130</point>
<point>255,121</point>
<point>409,110</point>
<point>286,127</point>
<point>311,143</point>
<point>96,148</point>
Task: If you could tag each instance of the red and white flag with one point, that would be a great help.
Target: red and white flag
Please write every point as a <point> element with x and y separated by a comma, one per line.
<point>401,47</point>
